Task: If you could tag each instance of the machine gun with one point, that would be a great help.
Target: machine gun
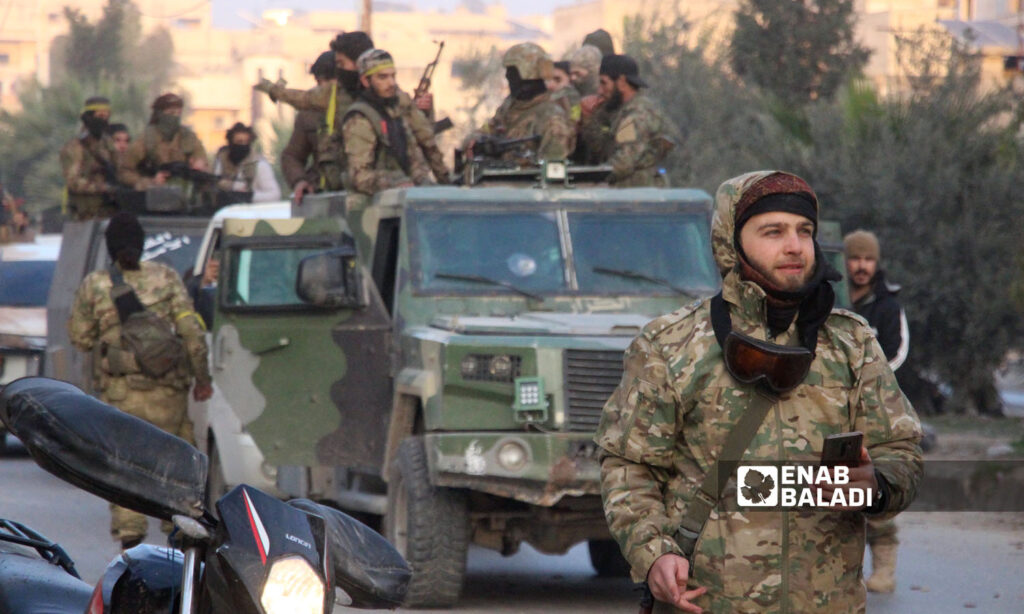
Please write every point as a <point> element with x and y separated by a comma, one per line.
<point>493,147</point>
<point>182,170</point>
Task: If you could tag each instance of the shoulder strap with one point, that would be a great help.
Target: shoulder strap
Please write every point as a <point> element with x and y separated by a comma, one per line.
<point>332,108</point>
<point>736,443</point>
<point>122,295</point>
<point>376,120</point>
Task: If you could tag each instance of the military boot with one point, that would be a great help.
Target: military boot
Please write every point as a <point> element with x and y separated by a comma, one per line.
<point>883,569</point>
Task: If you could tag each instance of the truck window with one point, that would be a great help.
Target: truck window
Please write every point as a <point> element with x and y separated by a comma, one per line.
<point>673,248</point>
<point>174,248</point>
<point>264,277</point>
<point>522,249</point>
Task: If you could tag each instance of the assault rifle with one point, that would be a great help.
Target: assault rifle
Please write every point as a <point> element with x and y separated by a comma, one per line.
<point>428,73</point>
<point>494,147</point>
<point>182,170</point>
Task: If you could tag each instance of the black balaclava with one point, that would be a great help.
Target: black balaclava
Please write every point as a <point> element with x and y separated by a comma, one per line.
<point>351,45</point>
<point>237,153</point>
<point>125,240</point>
<point>523,89</point>
<point>96,126</point>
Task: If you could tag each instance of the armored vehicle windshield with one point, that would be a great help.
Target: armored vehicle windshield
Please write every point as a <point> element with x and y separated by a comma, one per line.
<point>555,249</point>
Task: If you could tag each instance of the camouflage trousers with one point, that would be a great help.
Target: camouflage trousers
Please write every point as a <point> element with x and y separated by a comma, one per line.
<point>164,407</point>
<point>882,532</point>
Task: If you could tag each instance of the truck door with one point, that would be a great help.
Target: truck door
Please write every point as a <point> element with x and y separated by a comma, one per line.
<point>310,384</point>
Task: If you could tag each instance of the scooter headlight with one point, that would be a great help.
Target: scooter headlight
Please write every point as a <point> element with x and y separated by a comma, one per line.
<point>292,587</point>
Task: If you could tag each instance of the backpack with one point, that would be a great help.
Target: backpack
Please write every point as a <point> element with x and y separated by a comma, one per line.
<point>151,339</point>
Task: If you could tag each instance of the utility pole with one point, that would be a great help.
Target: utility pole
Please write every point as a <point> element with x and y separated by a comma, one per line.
<point>365,18</point>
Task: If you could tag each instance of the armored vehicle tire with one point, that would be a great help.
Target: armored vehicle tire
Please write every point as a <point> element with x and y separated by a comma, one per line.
<point>429,526</point>
<point>607,559</point>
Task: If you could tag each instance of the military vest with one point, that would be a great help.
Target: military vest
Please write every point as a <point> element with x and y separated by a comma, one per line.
<point>384,157</point>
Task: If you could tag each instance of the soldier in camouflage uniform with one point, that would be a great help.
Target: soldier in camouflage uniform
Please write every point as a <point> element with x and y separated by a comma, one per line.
<point>333,98</point>
<point>641,136</point>
<point>529,109</point>
<point>163,141</point>
<point>563,92</point>
<point>664,427</point>
<point>241,168</point>
<point>300,158</point>
<point>381,147</point>
<point>584,65</point>
<point>88,162</point>
<point>95,327</point>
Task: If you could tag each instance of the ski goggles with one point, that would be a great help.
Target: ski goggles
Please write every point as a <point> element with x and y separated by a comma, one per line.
<point>751,361</point>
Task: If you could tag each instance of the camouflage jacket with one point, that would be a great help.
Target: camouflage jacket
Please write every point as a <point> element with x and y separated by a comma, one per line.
<point>517,119</point>
<point>316,99</point>
<point>152,149</point>
<point>94,325</point>
<point>569,99</point>
<point>83,160</point>
<point>295,157</point>
<point>663,429</point>
<point>595,144</point>
<point>372,166</point>
<point>642,136</point>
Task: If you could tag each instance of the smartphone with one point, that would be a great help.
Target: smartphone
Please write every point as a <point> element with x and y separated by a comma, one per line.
<point>842,449</point>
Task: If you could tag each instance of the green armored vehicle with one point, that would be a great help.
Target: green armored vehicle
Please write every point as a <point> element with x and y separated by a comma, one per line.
<point>441,358</point>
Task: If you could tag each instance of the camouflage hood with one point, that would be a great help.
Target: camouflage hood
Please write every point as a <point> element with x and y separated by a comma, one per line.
<point>723,222</point>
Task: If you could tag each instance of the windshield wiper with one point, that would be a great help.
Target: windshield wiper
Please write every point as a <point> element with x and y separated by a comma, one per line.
<point>635,275</point>
<point>480,279</point>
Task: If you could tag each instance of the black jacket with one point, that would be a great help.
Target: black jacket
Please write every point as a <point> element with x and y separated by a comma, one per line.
<point>883,312</point>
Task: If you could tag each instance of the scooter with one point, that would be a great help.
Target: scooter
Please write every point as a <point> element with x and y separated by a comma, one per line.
<point>258,555</point>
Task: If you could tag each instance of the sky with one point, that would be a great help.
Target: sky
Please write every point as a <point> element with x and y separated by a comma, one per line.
<point>234,13</point>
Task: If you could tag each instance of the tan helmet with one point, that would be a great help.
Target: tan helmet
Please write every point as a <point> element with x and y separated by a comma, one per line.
<point>587,57</point>
<point>530,60</point>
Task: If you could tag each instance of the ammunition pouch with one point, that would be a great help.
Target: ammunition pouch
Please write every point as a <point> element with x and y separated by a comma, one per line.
<point>117,362</point>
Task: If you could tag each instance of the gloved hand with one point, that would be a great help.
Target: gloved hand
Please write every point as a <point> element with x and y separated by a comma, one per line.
<point>268,87</point>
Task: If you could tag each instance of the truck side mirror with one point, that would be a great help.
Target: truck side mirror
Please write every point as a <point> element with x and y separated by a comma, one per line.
<point>330,279</point>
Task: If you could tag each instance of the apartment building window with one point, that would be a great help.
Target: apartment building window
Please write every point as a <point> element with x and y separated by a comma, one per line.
<point>5,59</point>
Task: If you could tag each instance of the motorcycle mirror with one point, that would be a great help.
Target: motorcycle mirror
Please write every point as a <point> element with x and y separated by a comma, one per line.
<point>104,451</point>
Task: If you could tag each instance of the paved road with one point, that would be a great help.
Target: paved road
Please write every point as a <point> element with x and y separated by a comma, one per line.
<point>946,565</point>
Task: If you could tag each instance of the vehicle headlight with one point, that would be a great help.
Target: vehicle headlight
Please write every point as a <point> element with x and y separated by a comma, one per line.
<point>490,367</point>
<point>512,456</point>
<point>292,587</point>
<point>468,366</point>
<point>500,367</point>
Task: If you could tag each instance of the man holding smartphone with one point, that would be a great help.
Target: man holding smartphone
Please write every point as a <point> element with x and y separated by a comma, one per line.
<point>763,372</point>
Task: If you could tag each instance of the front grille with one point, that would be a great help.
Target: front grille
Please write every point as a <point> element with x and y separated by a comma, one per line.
<point>590,378</point>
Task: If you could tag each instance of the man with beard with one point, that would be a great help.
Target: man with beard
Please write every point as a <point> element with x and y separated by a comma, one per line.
<point>875,299</point>
<point>529,110</point>
<point>242,169</point>
<point>792,372</point>
<point>380,145</point>
<point>300,156</point>
<point>641,136</point>
<point>163,141</point>
<point>88,162</point>
<point>333,98</point>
